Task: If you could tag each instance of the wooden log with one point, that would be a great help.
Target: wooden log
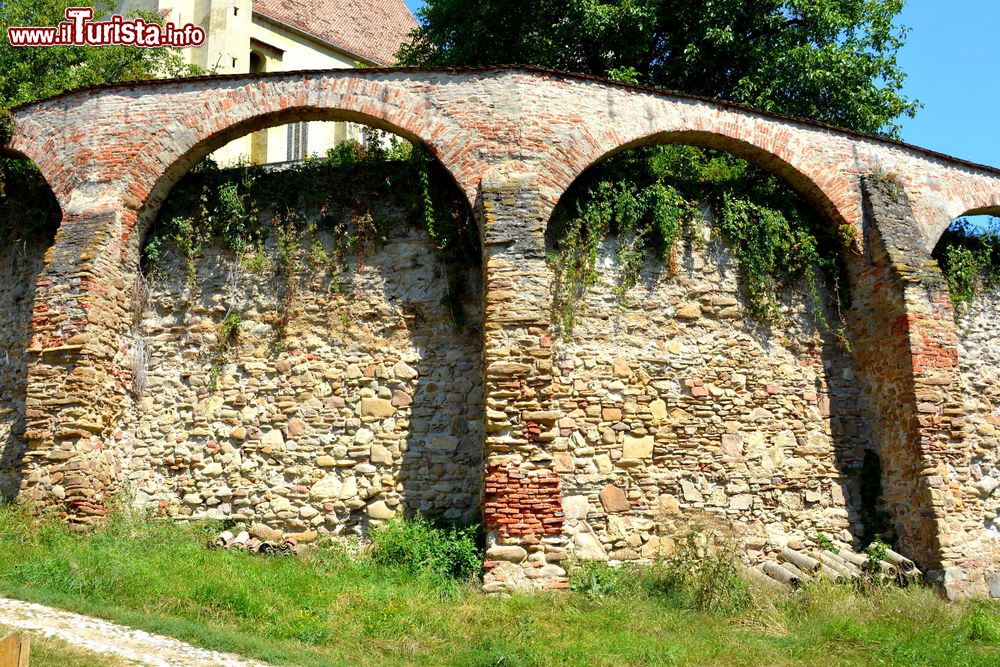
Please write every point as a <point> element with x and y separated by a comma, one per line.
<point>904,564</point>
<point>801,561</point>
<point>780,573</point>
<point>15,651</point>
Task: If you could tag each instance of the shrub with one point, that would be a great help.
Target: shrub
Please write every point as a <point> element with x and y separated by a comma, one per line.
<point>701,576</point>
<point>417,545</point>
<point>695,577</point>
<point>969,255</point>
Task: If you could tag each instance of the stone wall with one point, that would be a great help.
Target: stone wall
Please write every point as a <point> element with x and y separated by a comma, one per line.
<point>368,405</point>
<point>20,265</point>
<point>680,406</point>
<point>979,375</point>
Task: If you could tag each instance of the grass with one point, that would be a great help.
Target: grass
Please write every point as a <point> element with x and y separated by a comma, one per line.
<point>328,608</point>
<point>47,652</point>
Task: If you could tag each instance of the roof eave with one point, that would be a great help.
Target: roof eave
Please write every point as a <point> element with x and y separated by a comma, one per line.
<point>318,38</point>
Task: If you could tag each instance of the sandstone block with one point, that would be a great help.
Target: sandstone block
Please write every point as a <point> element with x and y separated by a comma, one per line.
<point>404,371</point>
<point>614,500</point>
<point>377,407</point>
<point>621,369</point>
<point>588,547</point>
<point>638,448</point>
<point>509,553</point>
<point>576,507</point>
<point>380,511</point>
<point>325,489</point>
<point>380,455</point>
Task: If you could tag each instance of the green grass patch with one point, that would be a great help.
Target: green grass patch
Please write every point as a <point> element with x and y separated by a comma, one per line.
<point>401,606</point>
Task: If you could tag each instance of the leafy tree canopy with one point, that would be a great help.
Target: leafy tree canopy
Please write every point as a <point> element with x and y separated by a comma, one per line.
<point>830,60</point>
<point>32,73</point>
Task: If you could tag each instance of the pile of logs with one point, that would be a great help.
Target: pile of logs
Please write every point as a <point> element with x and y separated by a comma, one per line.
<point>244,542</point>
<point>837,564</point>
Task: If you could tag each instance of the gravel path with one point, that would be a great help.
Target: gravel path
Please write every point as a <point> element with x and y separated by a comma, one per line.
<point>99,636</point>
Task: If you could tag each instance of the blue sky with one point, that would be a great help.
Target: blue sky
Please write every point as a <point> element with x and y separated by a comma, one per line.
<point>953,67</point>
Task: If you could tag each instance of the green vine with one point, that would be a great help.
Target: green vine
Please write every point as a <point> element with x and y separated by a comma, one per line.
<point>646,199</point>
<point>229,334</point>
<point>321,216</point>
<point>28,208</point>
<point>969,256</point>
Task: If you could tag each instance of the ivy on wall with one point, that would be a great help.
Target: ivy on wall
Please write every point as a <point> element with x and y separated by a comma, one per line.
<point>28,209</point>
<point>326,214</point>
<point>648,197</point>
<point>969,256</point>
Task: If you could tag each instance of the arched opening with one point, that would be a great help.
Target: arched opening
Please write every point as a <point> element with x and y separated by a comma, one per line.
<point>968,253</point>
<point>307,346</point>
<point>29,218</point>
<point>703,357</point>
<point>258,140</point>
<point>173,166</point>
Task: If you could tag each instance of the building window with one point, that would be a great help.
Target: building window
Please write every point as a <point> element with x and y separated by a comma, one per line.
<point>298,138</point>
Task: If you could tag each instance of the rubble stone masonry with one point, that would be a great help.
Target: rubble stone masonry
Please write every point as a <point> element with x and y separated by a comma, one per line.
<point>672,405</point>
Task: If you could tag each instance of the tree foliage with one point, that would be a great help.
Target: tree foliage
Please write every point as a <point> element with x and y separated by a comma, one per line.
<point>829,60</point>
<point>32,73</point>
<point>969,255</point>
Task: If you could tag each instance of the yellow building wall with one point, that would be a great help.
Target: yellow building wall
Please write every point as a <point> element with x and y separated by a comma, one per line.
<point>230,25</point>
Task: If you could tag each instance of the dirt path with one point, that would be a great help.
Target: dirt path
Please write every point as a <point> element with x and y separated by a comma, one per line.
<point>99,636</point>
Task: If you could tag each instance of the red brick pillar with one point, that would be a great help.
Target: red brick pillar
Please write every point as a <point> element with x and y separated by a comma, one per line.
<point>907,347</point>
<point>76,380</point>
<point>522,503</point>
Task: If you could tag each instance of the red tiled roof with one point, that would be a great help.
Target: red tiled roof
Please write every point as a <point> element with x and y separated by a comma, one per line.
<point>372,29</point>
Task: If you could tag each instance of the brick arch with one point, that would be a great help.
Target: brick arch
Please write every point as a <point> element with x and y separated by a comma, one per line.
<point>830,198</point>
<point>146,190</point>
<point>983,209</point>
<point>958,198</point>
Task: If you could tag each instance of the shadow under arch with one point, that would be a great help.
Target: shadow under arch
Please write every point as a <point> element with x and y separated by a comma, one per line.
<point>829,402</point>
<point>173,166</point>
<point>30,216</point>
<point>968,254</point>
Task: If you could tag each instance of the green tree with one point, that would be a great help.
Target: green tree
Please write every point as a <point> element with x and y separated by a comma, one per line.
<point>31,73</point>
<point>833,61</point>
<point>830,60</point>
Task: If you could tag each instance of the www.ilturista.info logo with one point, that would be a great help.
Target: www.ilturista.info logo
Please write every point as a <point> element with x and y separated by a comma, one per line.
<point>79,29</point>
